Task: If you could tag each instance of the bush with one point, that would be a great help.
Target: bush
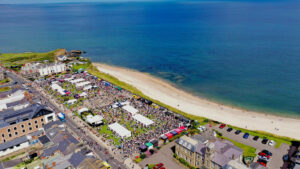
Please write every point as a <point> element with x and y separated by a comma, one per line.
<point>143,156</point>
<point>175,155</point>
<point>138,160</point>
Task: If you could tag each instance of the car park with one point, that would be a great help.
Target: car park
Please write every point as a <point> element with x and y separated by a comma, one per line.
<point>267,152</point>
<point>255,138</point>
<point>264,141</point>
<point>201,128</point>
<point>229,129</point>
<point>271,143</point>
<point>237,132</point>
<point>222,126</point>
<point>246,135</point>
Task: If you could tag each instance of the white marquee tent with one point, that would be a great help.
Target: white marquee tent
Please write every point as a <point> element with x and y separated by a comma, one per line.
<point>77,80</point>
<point>82,84</point>
<point>120,130</point>
<point>58,88</point>
<point>142,119</point>
<point>82,110</point>
<point>130,109</point>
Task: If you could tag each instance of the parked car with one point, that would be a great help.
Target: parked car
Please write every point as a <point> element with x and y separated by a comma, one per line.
<point>264,141</point>
<point>222,126</point>
<point>267,152</point>
<point>158,166</point>
<point>229,129</point>
<point>237,132</point>
<point>246,135</point>
<point>271,143</point>
<point>201,128</point>
<point>255,138</point>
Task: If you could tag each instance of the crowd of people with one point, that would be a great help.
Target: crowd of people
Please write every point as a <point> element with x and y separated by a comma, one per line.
<point>100,99</point>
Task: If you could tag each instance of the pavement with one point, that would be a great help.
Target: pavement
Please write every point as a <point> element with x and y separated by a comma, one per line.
<point>165,156</point>
<point>276,160</point>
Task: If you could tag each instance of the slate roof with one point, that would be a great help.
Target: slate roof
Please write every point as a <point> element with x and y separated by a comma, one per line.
<point>51,124</point>
<point>14,142</point>
<point>10,115</point>
<point>76,159</point>
<point>44,139</point>
<point>49,151</point>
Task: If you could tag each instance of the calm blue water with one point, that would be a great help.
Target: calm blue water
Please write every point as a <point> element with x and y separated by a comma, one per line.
<point>243,53</point>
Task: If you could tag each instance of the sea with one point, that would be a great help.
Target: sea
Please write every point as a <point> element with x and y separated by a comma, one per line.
<point>243,53</point>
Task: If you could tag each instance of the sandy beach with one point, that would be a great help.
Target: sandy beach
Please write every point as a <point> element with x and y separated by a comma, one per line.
<point>166,93</point>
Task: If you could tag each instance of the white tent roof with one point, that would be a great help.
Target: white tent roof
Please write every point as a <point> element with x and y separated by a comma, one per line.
<point>87,87</point>
<point>82,84</point>
<point>69,79</point>
<point>71,101</point>
<point>125,103</point>
<point>77,80</point>
<point>94,119</point>
<point>120,130</point>
<point>83,94</point>
<point>130,109</point>
<point>142,119</point>
<point>59,89</point>
<point>83,110</point>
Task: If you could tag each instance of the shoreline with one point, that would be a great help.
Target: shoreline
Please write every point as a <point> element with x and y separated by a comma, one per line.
<point>161,90</point>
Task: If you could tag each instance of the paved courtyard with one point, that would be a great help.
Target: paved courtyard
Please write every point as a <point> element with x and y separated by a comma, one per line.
<point>165,156</point>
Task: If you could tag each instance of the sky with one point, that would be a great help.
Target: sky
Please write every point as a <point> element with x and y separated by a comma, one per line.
<point>61,1</point>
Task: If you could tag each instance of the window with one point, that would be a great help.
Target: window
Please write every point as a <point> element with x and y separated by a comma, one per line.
<point>197,163</point>
<point>16,133</point>
<point>30,128</point>
<point>29,124</point>
<point>15,128</point>
<point>42,120</point>
<point>9,135</point>
<point>25,119</point>
<point>8,130</point>
<point>18,145</point>
<point>50,118</point>
<point>191,153</point>
<point>12,123</point>
<point>36,126</point>
<point>3,135</point>
<point>42,124</point>
<point>22,125</point>
<point>4,142</point>
<point>35,122</point>
<point>23,131</point>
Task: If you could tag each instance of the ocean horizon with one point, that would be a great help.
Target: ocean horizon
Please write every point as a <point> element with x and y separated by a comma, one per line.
<point>239,53</point>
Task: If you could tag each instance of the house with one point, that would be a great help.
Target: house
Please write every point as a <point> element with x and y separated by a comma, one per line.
<point>51,68</point>
<point>62,58</point>
<point>2,74</point>
<point>212,154</point>
<point>30,69</point>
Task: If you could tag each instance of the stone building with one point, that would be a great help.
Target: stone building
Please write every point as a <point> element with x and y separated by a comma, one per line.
<point>211,154</point>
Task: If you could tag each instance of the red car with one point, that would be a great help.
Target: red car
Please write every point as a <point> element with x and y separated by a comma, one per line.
<point>159,166</point>
<point>222,126</point>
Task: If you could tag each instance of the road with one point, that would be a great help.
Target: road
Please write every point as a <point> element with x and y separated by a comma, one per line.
<point>71,125</point>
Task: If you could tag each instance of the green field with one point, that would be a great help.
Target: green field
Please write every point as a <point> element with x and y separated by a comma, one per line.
<point>4,89</point>
<point>17,59</point>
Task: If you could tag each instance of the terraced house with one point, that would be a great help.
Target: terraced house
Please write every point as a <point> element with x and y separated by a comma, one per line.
<point>211,154</point>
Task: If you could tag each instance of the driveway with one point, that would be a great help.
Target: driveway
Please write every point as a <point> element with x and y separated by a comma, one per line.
<point>275,161</point>
<point>165,156</point>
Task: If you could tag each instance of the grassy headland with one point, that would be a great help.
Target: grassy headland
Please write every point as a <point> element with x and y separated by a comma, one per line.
<point>10,60</point>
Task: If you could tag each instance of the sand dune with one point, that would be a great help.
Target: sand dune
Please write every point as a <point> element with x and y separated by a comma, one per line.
<point>166,93</point>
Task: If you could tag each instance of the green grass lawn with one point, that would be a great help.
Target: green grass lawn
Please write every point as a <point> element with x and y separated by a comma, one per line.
<point>6,80</point>
<point>4,89</point>
<point>105,130</point>
<point>15,59</point>
<point>248,150</point>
